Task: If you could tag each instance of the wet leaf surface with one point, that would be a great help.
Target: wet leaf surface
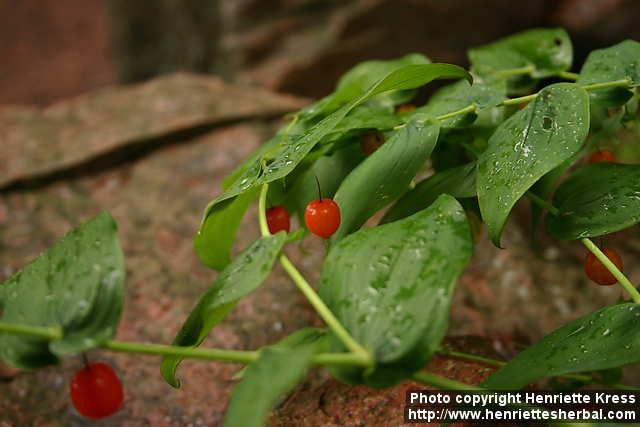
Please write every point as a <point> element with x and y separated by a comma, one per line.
<point>391,287</point>
<point>528,145</point>
<point>76,285</point>
<point>596,200</point>
<point>580,346</point>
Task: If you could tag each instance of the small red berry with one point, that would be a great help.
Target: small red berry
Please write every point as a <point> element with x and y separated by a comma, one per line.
<point>278,219</point>
<point>96,391</point>
<point>601,156</point>
<point>322,217</point>
<point>598,272</point>
<point>405,108</point>
<point>370,142</point>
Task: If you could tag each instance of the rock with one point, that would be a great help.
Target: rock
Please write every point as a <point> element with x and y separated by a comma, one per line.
<point>40,142</point>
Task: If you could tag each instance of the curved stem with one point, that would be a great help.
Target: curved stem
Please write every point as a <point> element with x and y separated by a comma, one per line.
<point>622,279</point>
<point>219,355</point>
<point>301,283</point>
<point>262,208</point>
<point>619,275</point>
<point>568,75</point>
<point>468,109</point>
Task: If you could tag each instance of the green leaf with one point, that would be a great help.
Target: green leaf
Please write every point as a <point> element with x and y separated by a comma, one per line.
<point>621,61</point>
<point>459,182</point>
<point>385,174</point>
<point>355,82</point>
<point>546,51</point>
<point>461,94</point>
<point>214,239</point>
<point>247,271</point>
<point>526,146</point>
<point>391,287</point>
<point>76,285</point>
<point>367,117</point>
<point>276,372</point>
<point>582,345</point>
<point>596,200</point>
<point>296,149</point>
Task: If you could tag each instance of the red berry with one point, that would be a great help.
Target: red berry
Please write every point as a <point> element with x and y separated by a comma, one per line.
<point>598,272</point>
<point>371,141</point>
<point>601,156</point>
<point>405,108</point>
<point>278,219</point>
<point>96,391</point>
<point>322,217</point>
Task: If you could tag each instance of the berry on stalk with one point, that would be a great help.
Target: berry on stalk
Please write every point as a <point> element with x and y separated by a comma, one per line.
<point>602,156</point>
<point>278,219</point>
<point>96,391</point>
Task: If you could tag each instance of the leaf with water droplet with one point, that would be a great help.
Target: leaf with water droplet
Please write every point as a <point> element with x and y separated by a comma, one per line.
<point>578,346</point>
<point>243,275</point>
<point>620,61</point>
<point>547,51</point>
<point>526,146</point>
<point>75,285</point>
<point>385,174</point>
<point>391,287</point>
<point>459,182</point>
<point>596,200</point>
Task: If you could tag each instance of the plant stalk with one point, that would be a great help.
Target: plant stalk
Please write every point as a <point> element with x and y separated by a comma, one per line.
<point>301,283</point>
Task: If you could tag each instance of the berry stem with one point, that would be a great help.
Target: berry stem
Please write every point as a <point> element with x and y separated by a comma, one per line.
<point>593,248</point>
<point>622,279</point>
<point>591,87</point>
<point>515,71</point>
<point>325,313</point>
<point>50,333</point>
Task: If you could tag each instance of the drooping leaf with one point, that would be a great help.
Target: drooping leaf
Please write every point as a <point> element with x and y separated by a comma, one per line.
<point>546,51</point>
<point>276,372</point>
<point>620,61</point>
<point>359,79</point>
<point>580,346</point>
<point>391,287</point>
<point>245,273</point>
<point>76,285</point>
<point>459,182</point>
<point>526,146</point>
<point>461,94</point>
<point>385,174</point>
<point>596,200</point>
<point>294,150</point>
<point>214,240</point>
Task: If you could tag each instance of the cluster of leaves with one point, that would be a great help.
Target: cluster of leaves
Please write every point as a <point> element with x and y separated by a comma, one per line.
<point>390,285</point>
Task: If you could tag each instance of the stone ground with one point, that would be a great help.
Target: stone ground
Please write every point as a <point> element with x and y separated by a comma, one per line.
<point>155,177</point>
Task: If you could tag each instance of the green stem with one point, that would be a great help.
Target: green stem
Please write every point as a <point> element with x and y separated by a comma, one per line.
<point>607,85</point>
<point>619,275</point>
<point>468,109</point>
<point>332,322</point>
<point>50,333</point>
<point>262,208</point>
<point>542,203</point>
<point>568,75</point>
<point>519,100</point>
<point>443,383</point>
<point>233,356</point>
<point>622,279</point>
<point>301,283</point>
